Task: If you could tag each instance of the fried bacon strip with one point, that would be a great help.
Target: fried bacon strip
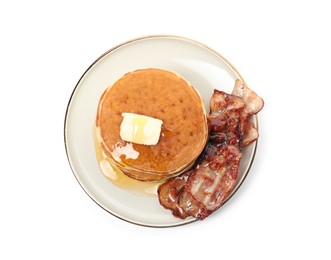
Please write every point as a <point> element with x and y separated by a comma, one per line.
<point>253,104</point>
<point>213,179</point>
<point>204,188</point>
<point>169,193</point>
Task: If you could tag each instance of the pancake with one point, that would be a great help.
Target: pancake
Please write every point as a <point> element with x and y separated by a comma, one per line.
<point>159,94</point>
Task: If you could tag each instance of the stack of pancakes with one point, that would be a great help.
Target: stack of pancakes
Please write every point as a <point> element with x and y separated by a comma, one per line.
<point>159,94</point>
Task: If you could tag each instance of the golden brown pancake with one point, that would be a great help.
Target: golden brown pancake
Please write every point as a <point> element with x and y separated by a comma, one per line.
<point>159,94</point>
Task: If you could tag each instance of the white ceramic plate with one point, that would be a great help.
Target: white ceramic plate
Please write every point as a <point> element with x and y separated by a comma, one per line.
<point>204,68</point>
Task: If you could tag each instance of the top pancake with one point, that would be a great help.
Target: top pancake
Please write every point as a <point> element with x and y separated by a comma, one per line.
<point>159,94</point>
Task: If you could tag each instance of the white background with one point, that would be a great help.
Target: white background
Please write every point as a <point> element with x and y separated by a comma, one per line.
<point>281,48</point>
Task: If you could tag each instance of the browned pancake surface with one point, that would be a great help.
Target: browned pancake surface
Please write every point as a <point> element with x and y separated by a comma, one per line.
<point>160,94</point>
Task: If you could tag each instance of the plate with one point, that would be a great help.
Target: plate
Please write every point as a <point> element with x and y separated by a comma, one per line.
<point>203,67</point>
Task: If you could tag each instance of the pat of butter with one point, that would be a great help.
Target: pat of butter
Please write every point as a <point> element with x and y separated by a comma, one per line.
<point>140,129</point>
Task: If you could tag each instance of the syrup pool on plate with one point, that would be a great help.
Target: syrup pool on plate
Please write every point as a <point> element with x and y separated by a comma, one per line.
<point>119,179</point>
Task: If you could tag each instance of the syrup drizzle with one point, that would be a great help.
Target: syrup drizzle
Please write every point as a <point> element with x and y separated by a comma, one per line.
<point>118,178</point>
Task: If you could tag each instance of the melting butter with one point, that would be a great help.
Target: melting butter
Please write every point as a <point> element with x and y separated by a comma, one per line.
<point>140,129</point>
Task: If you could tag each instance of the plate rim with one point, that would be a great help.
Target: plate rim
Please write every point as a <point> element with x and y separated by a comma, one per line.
<point>151,36</point>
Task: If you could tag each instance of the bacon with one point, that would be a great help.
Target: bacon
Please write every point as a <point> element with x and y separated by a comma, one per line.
<point>212,182</point>
<point>222,102</point>
<point>253,103</point>
<point>169,192</point>
<point>206,186</point>
<point>174,197</point>
<point>249,133</point>
<point>213,179</point>
<point>191,206</point>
